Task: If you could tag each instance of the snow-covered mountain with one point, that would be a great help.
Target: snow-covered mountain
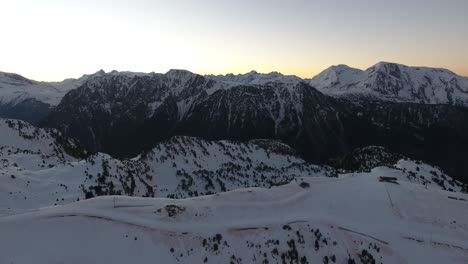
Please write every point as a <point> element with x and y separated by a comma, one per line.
<point>31,101</point>
<point>351,219</point>
<point>123,114</point>
<point>383,208</point>
<point>133,109</point>
<point>212,153</point>
<point>394,82</point>
<point>19,137</point>
<point>37,171</point>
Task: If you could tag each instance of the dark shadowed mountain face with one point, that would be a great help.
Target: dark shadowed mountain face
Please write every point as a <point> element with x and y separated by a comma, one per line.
<point>29,110</point>
<point>124,114</point>
<point>435,133</point>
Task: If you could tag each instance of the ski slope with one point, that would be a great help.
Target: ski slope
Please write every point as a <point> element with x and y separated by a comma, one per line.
<point>311,220</point>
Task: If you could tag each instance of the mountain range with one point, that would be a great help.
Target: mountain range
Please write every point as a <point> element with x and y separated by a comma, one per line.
<point>350,166</point>
<point>248,202</point>
<point>390,81</point>
<point>395,82</point>
<point>419,112</point>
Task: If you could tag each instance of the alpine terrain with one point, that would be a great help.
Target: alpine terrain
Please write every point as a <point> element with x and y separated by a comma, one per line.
<point>350,166</point>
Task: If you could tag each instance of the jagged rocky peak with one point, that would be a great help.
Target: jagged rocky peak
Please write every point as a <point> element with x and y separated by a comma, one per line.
<point>174,78</point>
<point>100,72</point>
<point>179,74</point>
<point>182,78</point>
<point>255,78</point>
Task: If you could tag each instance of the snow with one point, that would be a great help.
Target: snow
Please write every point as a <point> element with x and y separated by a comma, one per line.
<point>340,76</point>
<point>356,211</point>
<point>258,79</point>
<point>416,84</point>
<point>19,135</point>
<point>15,89</point>
<point>44,175</point>
<point>395,82</point>
<point>421,219</point>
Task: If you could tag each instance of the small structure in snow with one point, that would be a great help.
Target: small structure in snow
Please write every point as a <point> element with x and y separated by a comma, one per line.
<point>393,180</point>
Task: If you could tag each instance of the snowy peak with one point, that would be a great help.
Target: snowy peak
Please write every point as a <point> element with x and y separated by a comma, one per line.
<point>25,99</point>
<point>340,76</point>
<point>181,79</point>
<point>15,88</point>
<point>395,82</point>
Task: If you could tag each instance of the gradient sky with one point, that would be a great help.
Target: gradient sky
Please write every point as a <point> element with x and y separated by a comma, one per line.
<point>52,40</point>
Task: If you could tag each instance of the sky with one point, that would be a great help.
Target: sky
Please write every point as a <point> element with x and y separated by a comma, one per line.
<point>50,40</point>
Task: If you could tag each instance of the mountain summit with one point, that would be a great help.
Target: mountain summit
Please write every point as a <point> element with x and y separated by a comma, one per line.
<point>394,82</point>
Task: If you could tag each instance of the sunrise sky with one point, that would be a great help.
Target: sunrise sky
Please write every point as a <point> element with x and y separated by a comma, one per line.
<point>52,40</point>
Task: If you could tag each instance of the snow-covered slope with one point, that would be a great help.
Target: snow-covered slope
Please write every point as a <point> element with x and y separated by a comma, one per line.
<point>376,160</point>
<point>181,167</point>
<point>395,82</point>
<point>19,137</point>
<point>187,166</point>
<point>28,100</point>
<point>350,219</point>
<point>15,88</point>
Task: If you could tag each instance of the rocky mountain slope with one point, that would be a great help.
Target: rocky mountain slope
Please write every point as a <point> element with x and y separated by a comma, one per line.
<point>394,82</point>
<point>140,111</point>
<point>255,78</point>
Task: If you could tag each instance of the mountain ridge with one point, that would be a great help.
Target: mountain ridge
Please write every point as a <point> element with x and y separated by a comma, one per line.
<point>337,80</point>
<point>124,113</point>
<point>394,82</point>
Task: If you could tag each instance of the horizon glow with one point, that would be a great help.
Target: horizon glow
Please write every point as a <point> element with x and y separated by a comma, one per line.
<point>50,40</point>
